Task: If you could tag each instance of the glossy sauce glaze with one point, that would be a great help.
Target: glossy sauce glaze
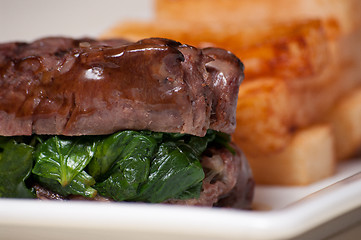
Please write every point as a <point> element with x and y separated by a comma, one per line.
<point>82,86</point>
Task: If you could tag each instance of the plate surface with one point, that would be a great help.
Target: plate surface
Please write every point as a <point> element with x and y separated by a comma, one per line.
<point>292,211</point>
<point>281,212</point>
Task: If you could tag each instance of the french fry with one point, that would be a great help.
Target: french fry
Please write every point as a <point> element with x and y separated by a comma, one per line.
<point>287,71</point>
<point>313,96</point>
<point>293,50</point>
<point>299,63</point>
<point>263,113</point>
<point>345,13</point>
<point>308,158</point>
<point>345,118</point>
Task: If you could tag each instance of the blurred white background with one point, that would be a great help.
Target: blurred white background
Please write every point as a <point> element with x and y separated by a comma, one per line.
<point>24,20</point>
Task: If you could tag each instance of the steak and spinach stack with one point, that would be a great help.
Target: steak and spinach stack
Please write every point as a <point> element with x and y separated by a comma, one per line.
<point>114,120</point>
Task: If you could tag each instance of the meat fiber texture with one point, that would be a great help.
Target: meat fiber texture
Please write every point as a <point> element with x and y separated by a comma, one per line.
<point>70,86</point>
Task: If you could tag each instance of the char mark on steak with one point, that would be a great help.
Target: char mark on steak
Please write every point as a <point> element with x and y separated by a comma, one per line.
<point>85,87</point>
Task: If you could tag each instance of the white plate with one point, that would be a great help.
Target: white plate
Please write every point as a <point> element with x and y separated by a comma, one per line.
<point>334,203</point>
<point>293,211</point>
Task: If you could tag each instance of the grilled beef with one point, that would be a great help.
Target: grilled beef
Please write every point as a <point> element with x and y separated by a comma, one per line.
<point>87,87</point>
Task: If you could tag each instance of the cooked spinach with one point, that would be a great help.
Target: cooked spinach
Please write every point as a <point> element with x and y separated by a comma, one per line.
<point>63,160</point>
<point>174,168</point>
<point>80,185</point>
<point>15,166</point>
<point>173,171</point>
<point>124,145</point>
<point>130,165</point>
<point>126,166</point>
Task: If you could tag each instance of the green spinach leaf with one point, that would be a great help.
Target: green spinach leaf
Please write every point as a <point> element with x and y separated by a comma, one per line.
<point>116,147</point>
<point>173,171</point>
<point>128,165</point>
<point>80,185</point>
<point>131,166</point>
<point>15,166</point>
<point>63,160</point>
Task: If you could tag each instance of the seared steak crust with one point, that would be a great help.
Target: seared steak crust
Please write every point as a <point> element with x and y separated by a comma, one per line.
<point>85,87</point>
